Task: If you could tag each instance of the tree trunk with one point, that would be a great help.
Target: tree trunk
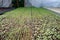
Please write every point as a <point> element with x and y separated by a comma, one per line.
<point>17,3</point>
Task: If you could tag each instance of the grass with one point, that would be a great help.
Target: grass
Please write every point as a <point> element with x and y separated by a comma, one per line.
<point>19,24</point>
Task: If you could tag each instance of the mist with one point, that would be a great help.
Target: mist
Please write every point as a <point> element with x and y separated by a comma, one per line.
<point>45,3</point>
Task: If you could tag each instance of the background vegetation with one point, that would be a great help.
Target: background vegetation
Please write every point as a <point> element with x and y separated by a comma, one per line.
<point>18,3</point>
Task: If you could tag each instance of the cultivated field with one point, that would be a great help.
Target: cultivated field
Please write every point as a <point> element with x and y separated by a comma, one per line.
<point>24,24</point>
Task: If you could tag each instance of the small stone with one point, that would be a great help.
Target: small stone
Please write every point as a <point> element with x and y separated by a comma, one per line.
<point>38,28</point>
<point>35,34</point>
<point>35,27</point>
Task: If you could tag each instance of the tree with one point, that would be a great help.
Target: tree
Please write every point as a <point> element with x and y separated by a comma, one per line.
<point>18,3</point>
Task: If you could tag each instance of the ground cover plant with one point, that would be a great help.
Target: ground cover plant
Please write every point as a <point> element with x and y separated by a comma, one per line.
<point>20,24</point>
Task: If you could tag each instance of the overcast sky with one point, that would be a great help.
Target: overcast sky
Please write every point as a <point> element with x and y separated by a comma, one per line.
<point>38,3</point>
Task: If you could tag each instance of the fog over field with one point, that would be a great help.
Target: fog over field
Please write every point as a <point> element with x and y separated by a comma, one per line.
<point>45,3</point>
<point>35,3</point>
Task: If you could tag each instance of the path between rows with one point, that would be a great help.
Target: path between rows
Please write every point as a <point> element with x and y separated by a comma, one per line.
<point>57,10</point>
<point>5,10</point>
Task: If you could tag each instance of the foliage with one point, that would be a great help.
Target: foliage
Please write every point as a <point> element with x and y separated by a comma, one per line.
<point>18,3</point>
